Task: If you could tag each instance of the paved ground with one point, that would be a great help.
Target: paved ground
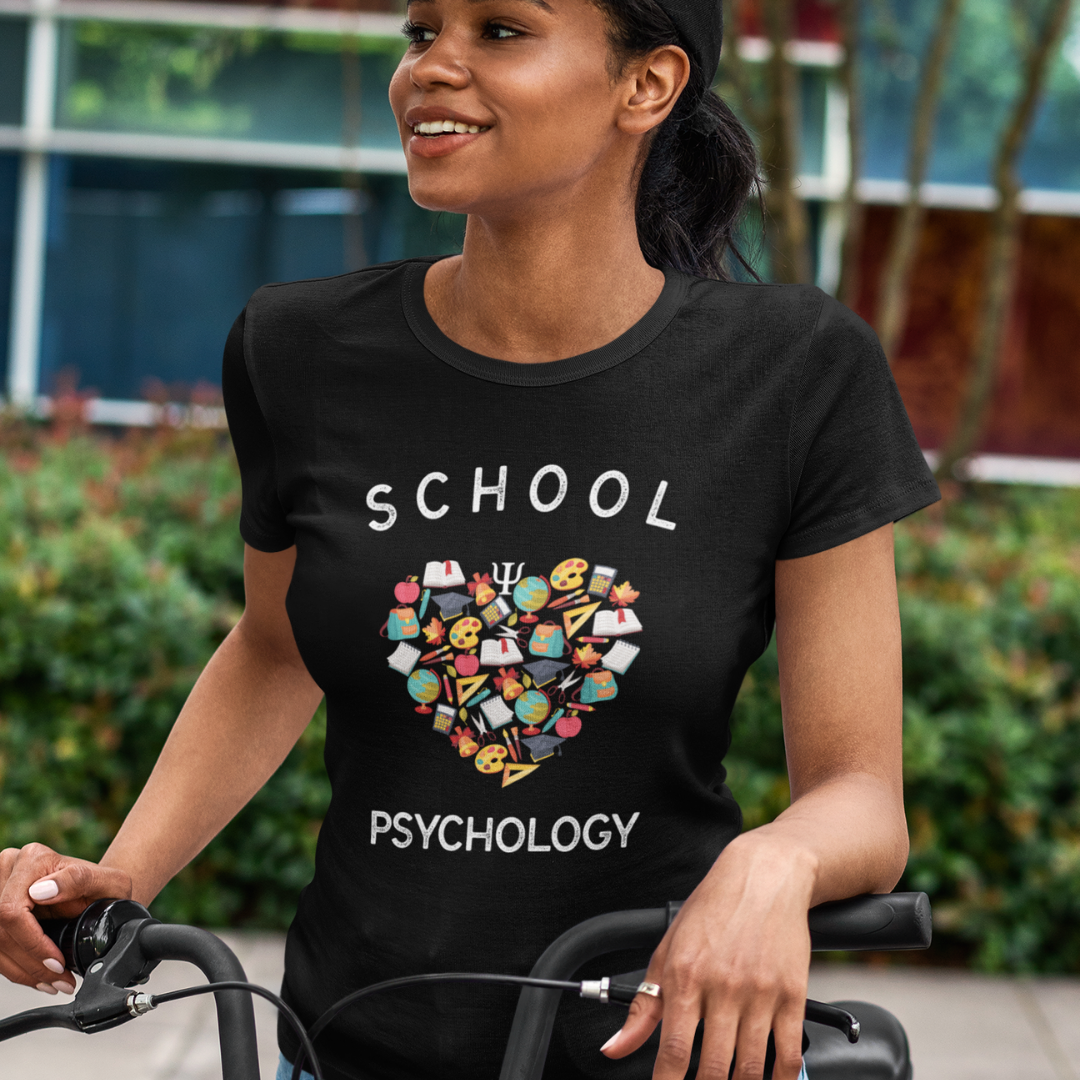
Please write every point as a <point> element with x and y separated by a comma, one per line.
<point>961,1026</point>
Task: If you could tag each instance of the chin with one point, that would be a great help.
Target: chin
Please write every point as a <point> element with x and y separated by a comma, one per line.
<point>450,198</point>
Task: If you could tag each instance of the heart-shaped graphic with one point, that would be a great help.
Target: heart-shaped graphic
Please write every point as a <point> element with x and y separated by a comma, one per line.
<point>552,649</point>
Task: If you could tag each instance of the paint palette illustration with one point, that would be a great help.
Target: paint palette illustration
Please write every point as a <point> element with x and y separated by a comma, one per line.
<point>569,624</point>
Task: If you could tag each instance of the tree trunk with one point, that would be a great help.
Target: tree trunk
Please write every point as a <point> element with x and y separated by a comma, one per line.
<point>853,210</point>
<point>892,311</point>
<point>999,279</point>
<point>789,225</point>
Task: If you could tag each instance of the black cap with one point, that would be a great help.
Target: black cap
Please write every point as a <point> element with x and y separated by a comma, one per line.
<point>701,27</point>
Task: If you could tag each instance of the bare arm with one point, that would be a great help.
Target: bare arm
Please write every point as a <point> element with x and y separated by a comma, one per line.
<point>245,713</point>
<point>739,952</point>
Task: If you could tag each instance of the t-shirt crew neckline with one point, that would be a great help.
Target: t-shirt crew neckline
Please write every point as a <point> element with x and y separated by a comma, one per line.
<point>551,373</point>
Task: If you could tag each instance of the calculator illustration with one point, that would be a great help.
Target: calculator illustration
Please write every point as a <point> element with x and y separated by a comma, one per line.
<point>603,577</point>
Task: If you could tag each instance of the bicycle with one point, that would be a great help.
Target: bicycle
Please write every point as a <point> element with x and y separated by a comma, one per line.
<point>116,944</point>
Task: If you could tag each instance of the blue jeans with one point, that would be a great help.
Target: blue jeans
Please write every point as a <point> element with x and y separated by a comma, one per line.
<point>284,1070</point>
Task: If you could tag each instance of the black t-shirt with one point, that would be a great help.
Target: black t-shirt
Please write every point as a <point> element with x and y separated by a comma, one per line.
<point>530,594</point>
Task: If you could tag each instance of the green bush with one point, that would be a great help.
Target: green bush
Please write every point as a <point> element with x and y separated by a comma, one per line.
<point>120,572</point>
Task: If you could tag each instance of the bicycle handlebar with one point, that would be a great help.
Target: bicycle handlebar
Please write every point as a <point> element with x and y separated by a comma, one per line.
<point>894,921</point>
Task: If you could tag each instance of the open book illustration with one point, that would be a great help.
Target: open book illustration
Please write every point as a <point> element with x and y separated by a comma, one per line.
<point>403,658</point>
<point>498,715</point>
<point>443,575</point>
<point>501,652</point>
<point>616,623</point>
<point>620,656</point>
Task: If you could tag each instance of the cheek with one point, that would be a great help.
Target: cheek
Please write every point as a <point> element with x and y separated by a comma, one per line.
<point>399,88</point>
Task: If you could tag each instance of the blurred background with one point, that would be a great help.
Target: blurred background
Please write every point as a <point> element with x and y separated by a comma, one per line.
<point>161,159</point>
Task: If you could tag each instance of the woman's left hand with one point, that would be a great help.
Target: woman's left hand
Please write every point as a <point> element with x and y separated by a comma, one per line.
<point>737,956</point>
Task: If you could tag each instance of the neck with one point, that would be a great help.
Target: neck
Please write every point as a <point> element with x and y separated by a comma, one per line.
<point>545,284</point>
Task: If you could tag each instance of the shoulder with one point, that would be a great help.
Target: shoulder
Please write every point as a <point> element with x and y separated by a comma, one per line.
<point>764,306</point>
<point>295,308</point>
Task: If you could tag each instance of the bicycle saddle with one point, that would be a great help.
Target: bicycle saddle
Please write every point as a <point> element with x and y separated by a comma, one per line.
<point>880,1054</point>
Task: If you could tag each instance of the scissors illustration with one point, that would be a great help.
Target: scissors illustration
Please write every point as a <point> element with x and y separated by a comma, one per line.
<point>564,686</point>
<point>519,637</point>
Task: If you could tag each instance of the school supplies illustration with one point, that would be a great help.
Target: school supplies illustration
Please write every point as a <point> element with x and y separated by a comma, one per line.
<point>509,744</point>
<point>443,575</point>
<point>502,652</point>
<point>564,601</point>
<point>594,640</point>
<point>446,683</point>
<point>541,747</point>
<point>620,657</point>
<point>616,623</point>
<point>404,658</point>
<point>603,577</point>
<point>513,773</point>
<point>444,653</point>
<point>508,683</point>
<point>402,625</point>
<point>531,595</point>
<point>555,718</point>
<point>517,742</point>
<point>444,719</point>
<point>497,713</point>
<point>575,618</point>
<point>465,633</point>
<point>424,687</point>
<point>495,612</point>
<point>452,604</point>
<point>490,759</point>
<point>545,671</point>
<point>547,640</point>
<point>569,574</point>
<point>599,686</point>
<point>467,687</point>
<point>424,603</point>
<point>532,707</point>
<point>481,696</point>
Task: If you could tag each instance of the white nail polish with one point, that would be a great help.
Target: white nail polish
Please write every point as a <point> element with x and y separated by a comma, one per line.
<point>63,988</point>
<point>45,988</point>
<point>44,890</point>
<point>610,1042</point>
<point>53,965</point>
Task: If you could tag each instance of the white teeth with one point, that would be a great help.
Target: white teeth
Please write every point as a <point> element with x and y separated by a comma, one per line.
<point>440,127</point>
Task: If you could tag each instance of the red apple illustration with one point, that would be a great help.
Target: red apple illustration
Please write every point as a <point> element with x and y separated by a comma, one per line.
<point>407,592</point>
<point>568,727</point>
<point>467,665</point>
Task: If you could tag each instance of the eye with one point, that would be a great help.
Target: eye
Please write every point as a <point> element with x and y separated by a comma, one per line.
<point>499,32</point>
<point>418,35</point>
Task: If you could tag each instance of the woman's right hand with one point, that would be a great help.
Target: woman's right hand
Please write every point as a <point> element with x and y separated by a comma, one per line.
<point>36,881</point>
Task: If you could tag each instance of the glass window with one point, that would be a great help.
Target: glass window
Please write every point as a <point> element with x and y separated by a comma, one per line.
<point>12,69</point>
<point>234,84</point>
<point>150,263</point>
<point>982,81</point>
<point>9,178</point>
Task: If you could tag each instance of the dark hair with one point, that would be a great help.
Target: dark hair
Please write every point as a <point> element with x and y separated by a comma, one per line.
<point>702,165</point>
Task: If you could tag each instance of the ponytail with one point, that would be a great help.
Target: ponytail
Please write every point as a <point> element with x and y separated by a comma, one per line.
<point>702,165</point>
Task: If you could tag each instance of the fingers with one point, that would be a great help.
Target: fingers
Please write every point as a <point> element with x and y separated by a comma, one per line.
<point>645,1014</point>
<point>37,879</point>
<point>788,1034</point>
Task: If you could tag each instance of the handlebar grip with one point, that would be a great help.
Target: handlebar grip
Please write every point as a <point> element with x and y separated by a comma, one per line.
<point>894,921</point>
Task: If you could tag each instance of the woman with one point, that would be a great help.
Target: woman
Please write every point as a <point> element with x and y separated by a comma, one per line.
<point>567,465</point>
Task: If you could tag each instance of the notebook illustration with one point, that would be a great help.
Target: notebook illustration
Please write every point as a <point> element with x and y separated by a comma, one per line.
<point>616,623</point>
<point>500,653</point>
<point>403,658</point>
<point>498,715</point>
<point>620,657</point>
<point>443,575</point>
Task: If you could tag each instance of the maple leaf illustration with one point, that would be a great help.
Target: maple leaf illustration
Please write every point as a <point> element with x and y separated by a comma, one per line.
<point>477,581</point>
<point>586,657</point>
<point>435,632</point>
<point>622,595</point>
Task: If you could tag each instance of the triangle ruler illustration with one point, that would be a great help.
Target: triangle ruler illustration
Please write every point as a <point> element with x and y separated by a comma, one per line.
<point>576,618</point>
<point>467,687</point>
<point>513,773</point>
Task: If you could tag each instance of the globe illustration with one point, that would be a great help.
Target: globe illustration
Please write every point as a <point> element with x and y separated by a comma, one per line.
<point>531,595</point>
<point>532,707</point>
<point>424,686</point>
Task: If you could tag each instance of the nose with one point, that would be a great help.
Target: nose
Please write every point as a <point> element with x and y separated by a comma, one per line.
<point>442,63</point>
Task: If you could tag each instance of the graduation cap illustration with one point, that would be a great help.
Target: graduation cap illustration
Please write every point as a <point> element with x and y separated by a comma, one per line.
<point>451,604</point>
<point>545,671</point>
<point>543,746</point>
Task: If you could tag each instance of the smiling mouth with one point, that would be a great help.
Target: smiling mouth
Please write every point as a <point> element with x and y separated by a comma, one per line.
<point>435,129</point>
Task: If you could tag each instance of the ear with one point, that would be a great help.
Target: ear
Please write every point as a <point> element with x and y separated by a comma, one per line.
<point>654,84</point>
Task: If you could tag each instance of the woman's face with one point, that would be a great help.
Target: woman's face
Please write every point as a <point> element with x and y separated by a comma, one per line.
<point>527,87</point>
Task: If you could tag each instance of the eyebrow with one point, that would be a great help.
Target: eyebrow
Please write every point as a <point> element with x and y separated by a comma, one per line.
<point>536,3</point>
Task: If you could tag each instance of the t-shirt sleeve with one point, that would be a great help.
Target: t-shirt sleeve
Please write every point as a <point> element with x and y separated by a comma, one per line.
<point>263,523</point>
<point>854,464</point>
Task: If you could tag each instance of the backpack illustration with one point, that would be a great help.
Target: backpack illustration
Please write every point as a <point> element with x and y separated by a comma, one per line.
<point>547,640</point>
<point>598,686</point>
<point>402,624</point>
